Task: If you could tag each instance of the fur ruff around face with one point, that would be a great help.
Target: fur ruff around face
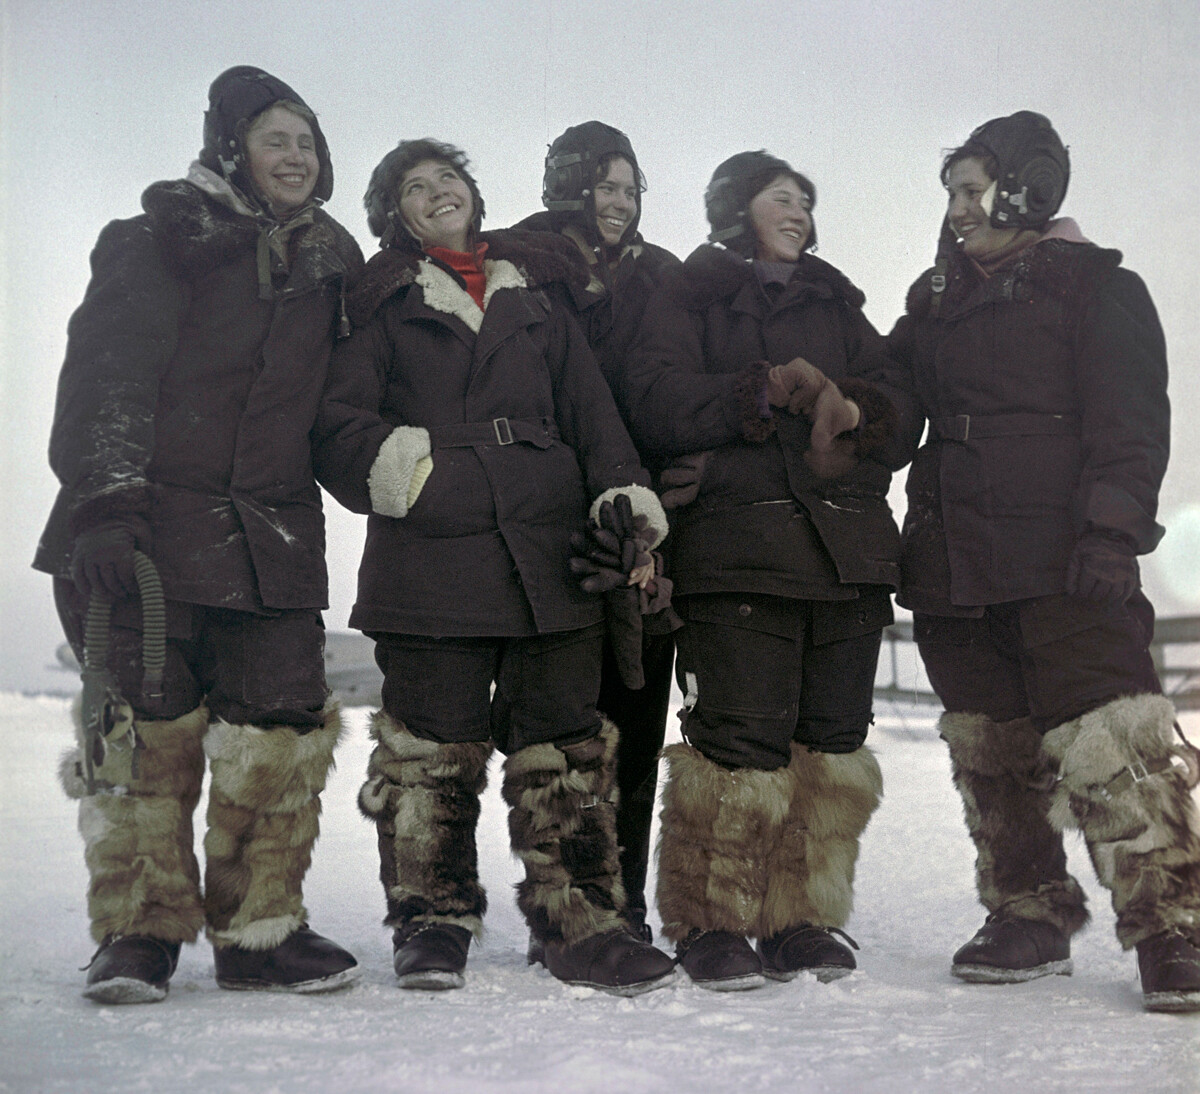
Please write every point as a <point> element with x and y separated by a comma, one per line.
<point>562,825</point>
<point>1145,841</point>
<point>753,851</point>
<point>144,878</point>
<point>424,799</point>
<point>263,815</point>
<point>197,235</point>
<point>1005,781</point>
<point>542,258</point>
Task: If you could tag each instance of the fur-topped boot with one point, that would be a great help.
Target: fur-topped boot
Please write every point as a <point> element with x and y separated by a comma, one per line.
<point>562,826</point>
<point>1006,780</point>
<point>264,804</point>
<point>712,870</point>
<point>144,891</point>
<point>810,864</point>
<point>1126,783</point>
<point>424,799</point>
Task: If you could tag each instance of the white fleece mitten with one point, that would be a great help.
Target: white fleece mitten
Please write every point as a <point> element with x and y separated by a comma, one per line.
<point>400,470</point>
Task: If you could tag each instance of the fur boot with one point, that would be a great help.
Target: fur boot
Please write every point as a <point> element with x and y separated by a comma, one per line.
<point>562,825</point>
<point>263,811</point>
<point>1005,781</point>
<point>1124,784</point>
<point>716,823</point>
<point>810,863</point>
<point>137,832</point>
<point>424,800</point>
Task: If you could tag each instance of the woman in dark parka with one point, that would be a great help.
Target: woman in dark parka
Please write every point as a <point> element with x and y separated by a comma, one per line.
<point>749,369</point>
<point>1040,365</point>
<point>193,373</point>
<point>468,417</point>
<point>592,191</point>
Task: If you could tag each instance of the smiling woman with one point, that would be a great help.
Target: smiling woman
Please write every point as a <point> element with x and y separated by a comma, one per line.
<point>283,159</point>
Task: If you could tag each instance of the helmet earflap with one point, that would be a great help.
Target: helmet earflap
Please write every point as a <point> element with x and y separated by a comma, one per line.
<point>563,184</point>
<point>1033,168</point>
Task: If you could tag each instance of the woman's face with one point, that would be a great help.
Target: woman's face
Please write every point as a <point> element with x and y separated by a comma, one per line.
<point>282,155</point>
<point>969,210</point>
<point>436,205</point>
<point>782,221</point>
<point>616,201</point>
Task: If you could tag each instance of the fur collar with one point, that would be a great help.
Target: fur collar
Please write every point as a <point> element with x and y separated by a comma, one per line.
<point>1056,267</point>
<point>540,259</point>
<point>197,234</point>
<point>443,293</point>
<point>710,274</point>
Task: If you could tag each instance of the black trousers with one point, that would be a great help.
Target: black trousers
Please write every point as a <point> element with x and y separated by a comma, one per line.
<point>250,669</point>
<point>761,672</point>
<point>641,718</point>
<point>545,686</point>
<point>1051,658</point>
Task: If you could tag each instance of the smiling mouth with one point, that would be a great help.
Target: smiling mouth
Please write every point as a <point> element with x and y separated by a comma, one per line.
<point>444,210</point>
<point>292,180</point>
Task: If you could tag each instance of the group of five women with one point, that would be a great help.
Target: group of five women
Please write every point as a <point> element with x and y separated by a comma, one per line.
<point>509,407</point>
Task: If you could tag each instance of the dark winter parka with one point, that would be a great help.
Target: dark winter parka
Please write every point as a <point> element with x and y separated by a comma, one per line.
<point>484,550</point>
<point>610,305</point>
<point>187,400</point>
<point>1045,387</point>
<point>763,522</point>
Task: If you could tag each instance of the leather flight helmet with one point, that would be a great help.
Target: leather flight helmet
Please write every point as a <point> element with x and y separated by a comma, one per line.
<point>235,99</point>
<point>570,172</point>
<point>735,183</point>
<point>1033,168</point>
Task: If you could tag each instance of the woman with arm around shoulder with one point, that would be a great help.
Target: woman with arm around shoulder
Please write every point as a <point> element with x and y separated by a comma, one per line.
<point>592,190</point>
<point>1040,363</point>
<point>194,369</point>
<point>467,416</point>
<point>749,372</point>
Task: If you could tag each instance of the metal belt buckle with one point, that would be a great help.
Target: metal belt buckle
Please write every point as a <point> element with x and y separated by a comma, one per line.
<point>503,431</point>
<point>1138,771</point>
<point>962,427</point>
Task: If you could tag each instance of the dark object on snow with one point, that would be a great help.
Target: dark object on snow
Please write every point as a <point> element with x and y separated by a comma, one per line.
<point>1008,950</point>
<point>807,948</point>
<point>1169,966</point>
<point>720,961</point>
<point>305,963</point>
<point>134,969</point>
<point>613,962</point>
<point>430,956</point>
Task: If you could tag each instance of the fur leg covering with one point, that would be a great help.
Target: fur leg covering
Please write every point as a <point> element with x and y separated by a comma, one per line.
<point>810,864</point>
<point>562,825</point>
<point>715,823</point>
<point>1005,780</point>
<point>1143,836</point>
<point>137,834</point>
<point>263,810</point>
<point>424,799</point>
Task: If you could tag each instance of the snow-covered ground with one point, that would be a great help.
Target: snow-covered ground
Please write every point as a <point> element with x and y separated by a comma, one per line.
<point>901,1023</point>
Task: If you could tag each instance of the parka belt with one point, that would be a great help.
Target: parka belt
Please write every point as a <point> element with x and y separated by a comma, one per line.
<point>970,427</point>
<point>539,432</point>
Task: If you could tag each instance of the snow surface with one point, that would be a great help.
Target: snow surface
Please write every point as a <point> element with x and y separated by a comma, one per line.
<point>900,1023</point>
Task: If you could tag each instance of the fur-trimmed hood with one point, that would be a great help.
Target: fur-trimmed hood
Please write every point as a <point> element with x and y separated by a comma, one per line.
<point>1057,267</point>
<point>541,258</point>
<point>197,234</point>
<point>712,273</point>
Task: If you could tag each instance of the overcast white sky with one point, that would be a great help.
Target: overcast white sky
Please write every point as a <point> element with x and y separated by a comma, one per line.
<point>102,97</point>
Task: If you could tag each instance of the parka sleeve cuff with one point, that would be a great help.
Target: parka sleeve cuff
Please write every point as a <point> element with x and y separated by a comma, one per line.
<point>752,411</point>
<point>878,420</point>
<point>391,475</point>
<point>644,503</point>
<point>1111,509</point>
<point>118,504</point>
